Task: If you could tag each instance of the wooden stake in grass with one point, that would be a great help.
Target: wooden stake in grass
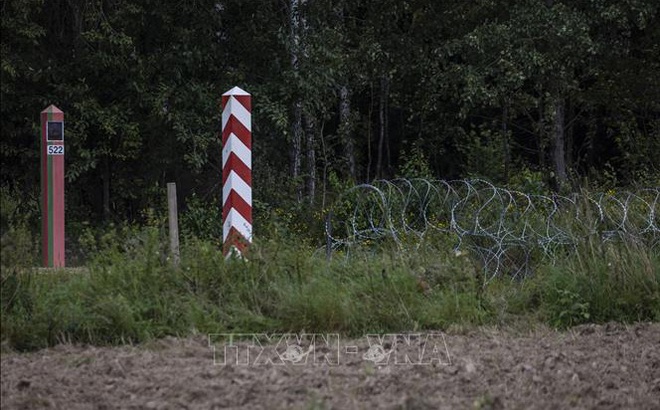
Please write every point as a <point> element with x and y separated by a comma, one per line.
<point>173,222</point>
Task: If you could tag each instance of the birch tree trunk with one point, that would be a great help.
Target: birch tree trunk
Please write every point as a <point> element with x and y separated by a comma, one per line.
<point>559,143</point>
<point>570,115</point>
<point>505,141</point>
<point>297,124</point>
<point>346,128</point>
<point>383,119</point>
<point>310,157</point>
<point>296,146</point>
<point>557,134</point>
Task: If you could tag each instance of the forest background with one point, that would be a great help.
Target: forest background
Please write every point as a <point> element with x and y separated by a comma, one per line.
<point>537,95</point>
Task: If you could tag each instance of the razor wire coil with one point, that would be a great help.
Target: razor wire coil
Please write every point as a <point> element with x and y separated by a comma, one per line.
<point>504,227</point>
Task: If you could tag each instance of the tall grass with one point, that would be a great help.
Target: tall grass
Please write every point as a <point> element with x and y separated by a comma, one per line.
<point>615,281</point>
<point>130,292</point>
<point>136,294</point>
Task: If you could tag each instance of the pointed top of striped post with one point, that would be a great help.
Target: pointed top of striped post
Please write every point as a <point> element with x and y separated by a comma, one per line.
<point>51,109</point>
<point>236,91</point>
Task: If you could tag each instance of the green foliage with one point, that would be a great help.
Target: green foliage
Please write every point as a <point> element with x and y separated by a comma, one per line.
<point>601,283</point>
<point>529,182</point>
<point>569,309</point>
<point>201,219</point>
<point>130,292</point>
<point>19,214</point>
<point>474,96</point>
<point>483,154</point>
<point>415,164</point>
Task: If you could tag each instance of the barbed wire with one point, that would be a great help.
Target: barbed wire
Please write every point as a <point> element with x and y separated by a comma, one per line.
<point>505,228</point>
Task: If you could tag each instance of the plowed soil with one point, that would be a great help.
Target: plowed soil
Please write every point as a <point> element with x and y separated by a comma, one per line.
<point>611,366</point>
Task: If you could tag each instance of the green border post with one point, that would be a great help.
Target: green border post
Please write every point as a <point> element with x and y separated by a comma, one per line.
<point>52,187</point>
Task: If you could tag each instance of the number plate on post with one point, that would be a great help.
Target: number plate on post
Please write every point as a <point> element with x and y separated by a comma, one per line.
<point>55,150</point>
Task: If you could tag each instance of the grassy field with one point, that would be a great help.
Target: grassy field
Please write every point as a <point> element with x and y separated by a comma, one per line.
<point>129,291</point>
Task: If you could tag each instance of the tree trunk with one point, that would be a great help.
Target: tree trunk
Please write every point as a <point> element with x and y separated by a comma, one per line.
<point>569,136</point>
<point>346,128</point>
<point>559,143</point>
<point>505,141</point>
<point>541,135</point>
<point>296,148</point>
<point>310,131</point>
<point>383,119</point>
<point>297,125</point>
<point>106,188</point>
<point>370,130</point>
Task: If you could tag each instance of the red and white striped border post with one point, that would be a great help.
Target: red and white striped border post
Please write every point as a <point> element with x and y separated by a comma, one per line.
<point>236,171</point>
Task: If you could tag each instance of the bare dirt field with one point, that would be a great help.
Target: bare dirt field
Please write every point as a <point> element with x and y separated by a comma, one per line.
<point>611,366</point>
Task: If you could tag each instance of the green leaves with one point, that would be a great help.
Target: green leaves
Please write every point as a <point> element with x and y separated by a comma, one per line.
<point>140,84</point>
